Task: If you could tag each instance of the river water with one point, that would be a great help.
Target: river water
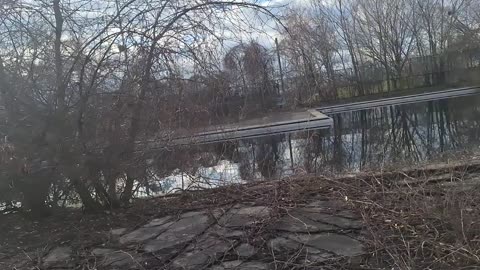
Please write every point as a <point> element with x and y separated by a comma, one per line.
<point>372,139</point>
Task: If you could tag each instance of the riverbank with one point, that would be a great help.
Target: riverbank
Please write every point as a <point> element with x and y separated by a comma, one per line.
<point>419,218</point>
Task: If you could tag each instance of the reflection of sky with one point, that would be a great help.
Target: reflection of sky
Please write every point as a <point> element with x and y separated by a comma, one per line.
<point>225,172</point>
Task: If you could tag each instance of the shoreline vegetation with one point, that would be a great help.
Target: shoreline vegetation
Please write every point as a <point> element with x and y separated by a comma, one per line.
<point>417,218</point>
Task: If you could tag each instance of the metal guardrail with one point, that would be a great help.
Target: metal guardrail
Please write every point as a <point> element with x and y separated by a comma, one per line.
<point>451,93</point>
<point>312,120</point>
<point>315,119</point>
<point>249,133</point>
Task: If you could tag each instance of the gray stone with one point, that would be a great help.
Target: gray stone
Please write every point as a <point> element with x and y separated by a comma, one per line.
<point>202,252</point>
<point>311,220</point>
<point>192,214</point>
<point>245,250</point>
<point>244,216</point>
<point>158,222</point>
<point>180,232</point>
<point>338,244</point>
<point>316,258</point>
<point>227,232</point>
<point>232,264</point>
<point>339,221</point>
<point>117,232</point>
<point>143,234</point>
<point>252,266</point>
<point>347,214</point>
<point>281,244</point>
<point>58,256</point>
<point>301,224</point>
<point>101,251</point>
<point>18,261</point>
<point>227,265</point>
<point>284,245</point>
<point>324,205</point>
<point>192,260</point>
<point>256,211</point>
<point>116,258</point>
<point>240,265</point>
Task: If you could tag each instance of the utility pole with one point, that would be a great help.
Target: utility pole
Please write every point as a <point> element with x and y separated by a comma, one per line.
<point>280,67</point>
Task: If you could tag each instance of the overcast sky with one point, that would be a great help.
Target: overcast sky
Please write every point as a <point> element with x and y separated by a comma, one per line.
<point>264,29</point>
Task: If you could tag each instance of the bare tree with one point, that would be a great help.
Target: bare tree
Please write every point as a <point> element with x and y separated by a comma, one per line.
<point>250,67</point>
<point>387,35</point>
<point>343,17</point>
<point>84,82</point>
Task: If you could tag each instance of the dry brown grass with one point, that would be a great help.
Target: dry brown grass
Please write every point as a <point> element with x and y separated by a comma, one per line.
<point>419,219</point>
<point>425,218</point>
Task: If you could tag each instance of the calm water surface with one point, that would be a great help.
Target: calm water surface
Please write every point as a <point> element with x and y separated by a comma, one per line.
<point>361,140</point>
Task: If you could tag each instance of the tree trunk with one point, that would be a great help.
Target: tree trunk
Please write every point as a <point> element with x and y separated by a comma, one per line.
<point>128,191</point>
<point>35,190</point>
<point>89,204</point>
<point>112,191</point>
<point>60,91</point>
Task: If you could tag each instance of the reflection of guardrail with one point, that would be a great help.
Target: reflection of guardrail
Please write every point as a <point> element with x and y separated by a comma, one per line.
<point>451,93</point>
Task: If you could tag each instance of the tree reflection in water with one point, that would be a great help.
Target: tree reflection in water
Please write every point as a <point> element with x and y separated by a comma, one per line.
<point>389,135</point>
